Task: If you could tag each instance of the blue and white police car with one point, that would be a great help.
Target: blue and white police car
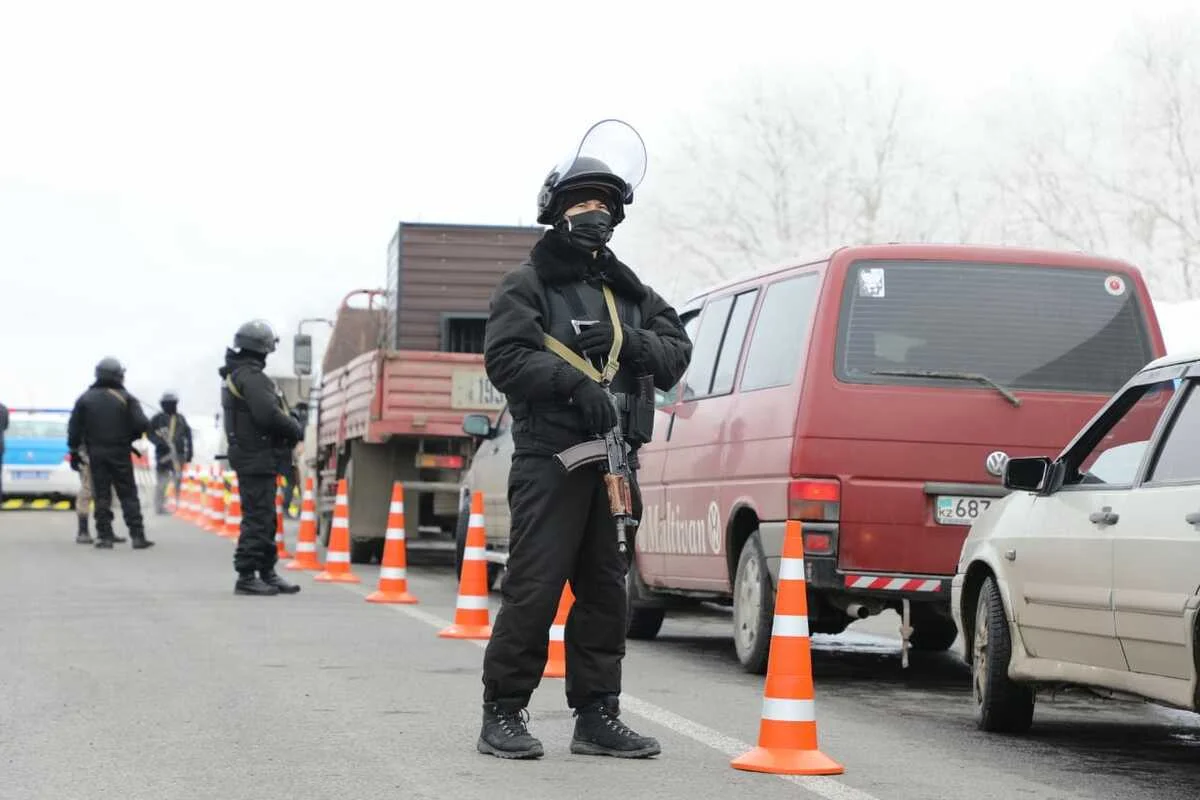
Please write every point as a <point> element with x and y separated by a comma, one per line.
<point>36,459</point>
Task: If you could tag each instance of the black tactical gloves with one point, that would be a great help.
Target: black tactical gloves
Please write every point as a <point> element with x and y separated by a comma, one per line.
<point>75,461</point>
<point>599,416</point>
<point>597,339</point>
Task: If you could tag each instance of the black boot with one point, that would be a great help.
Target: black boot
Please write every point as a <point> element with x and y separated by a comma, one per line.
<point>272,578</point>
<point>249,583</point>
<point>83,537</point>
<point>140,542</point>
<point>103,543</point>
<point>504,734</point>
<point>118,539</point>
<point>600,732</point>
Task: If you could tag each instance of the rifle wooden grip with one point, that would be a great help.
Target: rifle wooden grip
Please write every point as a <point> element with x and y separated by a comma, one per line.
<point>618,494</point>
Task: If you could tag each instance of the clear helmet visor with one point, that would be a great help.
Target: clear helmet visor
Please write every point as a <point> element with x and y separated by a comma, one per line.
<point>613,143</point>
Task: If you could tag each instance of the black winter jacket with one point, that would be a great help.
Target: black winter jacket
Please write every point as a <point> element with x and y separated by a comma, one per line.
<point>160,425</point>
<point>537,382</point>
<point>106,418</point>
<point>260,432</point>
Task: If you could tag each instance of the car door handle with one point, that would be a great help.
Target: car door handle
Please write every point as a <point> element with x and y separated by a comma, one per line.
<point>1193,519</point>
<point>1104,516</point>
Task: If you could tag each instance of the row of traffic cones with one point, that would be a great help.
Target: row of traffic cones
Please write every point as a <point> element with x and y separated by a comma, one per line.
<point>787,739</point>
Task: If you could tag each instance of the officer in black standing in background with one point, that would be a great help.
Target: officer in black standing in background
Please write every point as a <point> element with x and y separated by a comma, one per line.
<point>562,525</point>
<point>107,420</point>
<point>261,434</point>
<point>172,438</point>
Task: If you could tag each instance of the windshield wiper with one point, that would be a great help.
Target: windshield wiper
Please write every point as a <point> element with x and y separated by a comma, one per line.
<point>954,376</point>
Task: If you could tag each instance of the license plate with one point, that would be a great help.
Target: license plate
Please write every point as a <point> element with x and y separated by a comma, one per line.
<point>958,510</point>
<point>471,389</point>
<point>26,475</point>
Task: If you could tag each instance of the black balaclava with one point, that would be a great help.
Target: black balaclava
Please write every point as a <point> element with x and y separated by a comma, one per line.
<point>590,230</point>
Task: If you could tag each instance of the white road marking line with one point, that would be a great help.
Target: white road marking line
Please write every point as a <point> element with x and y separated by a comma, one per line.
<point>828,788</point>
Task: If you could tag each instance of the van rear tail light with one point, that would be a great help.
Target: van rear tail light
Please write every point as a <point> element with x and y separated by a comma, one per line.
<point>814,499</point>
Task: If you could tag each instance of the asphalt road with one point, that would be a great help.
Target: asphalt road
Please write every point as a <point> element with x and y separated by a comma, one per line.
<point>141,675</point>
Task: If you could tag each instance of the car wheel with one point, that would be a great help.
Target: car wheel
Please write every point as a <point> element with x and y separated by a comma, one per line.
<point>460,537</point>
<point>642,622</point>
<point>460,543</point>
<point>933,631</point>
<point>1001,704</point>
<point>753,607</point>
<point>363,551</point>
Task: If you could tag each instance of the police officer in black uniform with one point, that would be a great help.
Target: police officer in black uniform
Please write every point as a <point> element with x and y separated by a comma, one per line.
<point>107,420</point>
<point>261,434</point>
<point>562,526</point>
<point>172,439</point>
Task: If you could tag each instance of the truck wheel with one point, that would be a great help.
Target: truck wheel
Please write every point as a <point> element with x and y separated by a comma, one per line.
<point>641,621</point>
<point>753,607</point>
<point>933,631</point>
<point>1001,704</point>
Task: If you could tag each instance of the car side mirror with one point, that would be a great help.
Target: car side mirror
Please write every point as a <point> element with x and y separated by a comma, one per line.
<point>478,425</point>
<point>1026,474</point>
<point>302,354</point>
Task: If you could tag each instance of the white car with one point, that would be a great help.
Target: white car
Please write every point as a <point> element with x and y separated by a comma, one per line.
<point>1088,573</point>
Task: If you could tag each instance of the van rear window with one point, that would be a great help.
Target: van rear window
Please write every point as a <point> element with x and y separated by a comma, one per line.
<point>1022,326</point>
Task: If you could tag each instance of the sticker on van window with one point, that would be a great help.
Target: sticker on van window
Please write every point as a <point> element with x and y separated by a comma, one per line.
<point>870,282</point>
<point>1114,285</point>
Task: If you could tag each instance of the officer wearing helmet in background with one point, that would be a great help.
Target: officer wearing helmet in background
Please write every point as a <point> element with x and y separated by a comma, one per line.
<point>261,434</point>
<point>105,422</point>
<point>172,438</point>
<point>562,525</point>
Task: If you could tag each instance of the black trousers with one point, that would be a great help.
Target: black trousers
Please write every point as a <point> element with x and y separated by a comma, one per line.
<point>112,470</point>
<point>561,530</point>
<point>256,550</point>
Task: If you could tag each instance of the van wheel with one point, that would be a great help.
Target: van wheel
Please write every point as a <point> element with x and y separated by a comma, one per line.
<point>753,607</point>
<point>933,631</point>
<point>1001,704</point>
<point>642,622</point>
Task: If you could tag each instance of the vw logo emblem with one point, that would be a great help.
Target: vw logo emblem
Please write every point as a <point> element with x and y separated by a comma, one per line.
<point>995,463</point>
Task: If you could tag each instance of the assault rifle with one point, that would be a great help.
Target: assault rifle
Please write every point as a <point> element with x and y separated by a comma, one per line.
<point>611,449</point>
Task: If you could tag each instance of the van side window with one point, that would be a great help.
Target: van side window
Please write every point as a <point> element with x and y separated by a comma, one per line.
<point>705,347</point>
<point>731,347</point>
<point>691,321</point>
<point>781,332</point>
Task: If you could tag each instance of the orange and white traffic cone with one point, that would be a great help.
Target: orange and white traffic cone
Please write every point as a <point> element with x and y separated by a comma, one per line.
<point>183,509</point>
<point>556,657</point>
<point>471,620</point>
<point>787,735</point>
<point>280,545</point>
<point>306,540</point>
<point>393,572</point>
<point>232,528</point>
<point>215,519</point>
<point>337,556</point>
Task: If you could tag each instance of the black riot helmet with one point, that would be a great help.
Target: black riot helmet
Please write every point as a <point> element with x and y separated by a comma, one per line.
<point>256,336</point>
<point>610,159</point>
<point>110,369</point>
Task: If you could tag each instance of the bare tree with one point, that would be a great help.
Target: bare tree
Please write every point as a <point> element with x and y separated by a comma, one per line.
<point>1116,168</point>
<point>789,166</point>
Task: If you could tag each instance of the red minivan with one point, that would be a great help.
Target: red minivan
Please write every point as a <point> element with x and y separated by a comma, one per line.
<point>874,395</point>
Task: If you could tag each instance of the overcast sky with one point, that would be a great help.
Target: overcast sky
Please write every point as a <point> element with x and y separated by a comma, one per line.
<point>168,170</point>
